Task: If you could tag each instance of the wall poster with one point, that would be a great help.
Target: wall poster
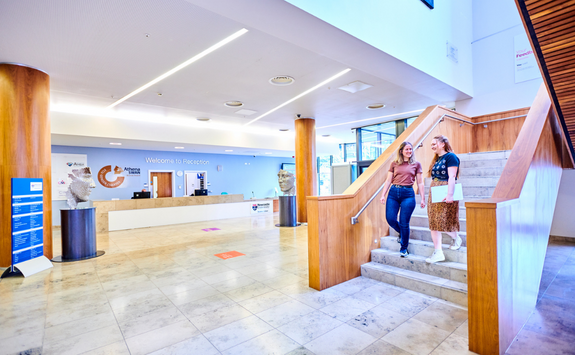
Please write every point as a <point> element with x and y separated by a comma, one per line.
<point>62,165</point>
<point>526,67</point>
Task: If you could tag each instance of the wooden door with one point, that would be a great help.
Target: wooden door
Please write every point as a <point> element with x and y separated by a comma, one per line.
<point>164,184</point>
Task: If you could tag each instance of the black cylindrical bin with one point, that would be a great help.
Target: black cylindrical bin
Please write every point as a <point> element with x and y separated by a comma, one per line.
<point>78,234</point>
<point>287,211</point>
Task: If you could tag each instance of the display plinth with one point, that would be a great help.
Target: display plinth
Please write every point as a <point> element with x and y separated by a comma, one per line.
<point>78,235</point>
<point>287,212</point>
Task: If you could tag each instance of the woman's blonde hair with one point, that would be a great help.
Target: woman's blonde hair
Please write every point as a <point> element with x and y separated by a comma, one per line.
<point>446,147</point>
<point>399,159</point>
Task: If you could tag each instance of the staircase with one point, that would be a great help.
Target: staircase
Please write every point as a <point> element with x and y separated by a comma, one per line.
<point>479,173</point>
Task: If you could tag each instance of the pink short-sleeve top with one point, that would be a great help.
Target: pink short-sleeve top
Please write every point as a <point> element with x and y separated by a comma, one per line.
<point>404,174</point>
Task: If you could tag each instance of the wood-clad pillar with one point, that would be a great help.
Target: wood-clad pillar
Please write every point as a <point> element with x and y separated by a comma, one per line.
<point>24,145</point>
<point>305,165</point>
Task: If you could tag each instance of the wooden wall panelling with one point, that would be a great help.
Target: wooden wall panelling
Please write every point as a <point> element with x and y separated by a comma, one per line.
<point>349,246</point>
<point>503,291</point>
<point>497,135</point>
<point>25,144</point>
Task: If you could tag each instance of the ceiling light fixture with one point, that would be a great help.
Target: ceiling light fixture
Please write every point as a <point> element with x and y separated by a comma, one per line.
<point>229,150</point>
<point>282,80</point>
<point>375,106</point>
<point>373,118</point>
<point>233,103</point>
<point>182,66</point>
<point>326,135</point>
<point>284,129</point>
<point>115,143</point>
<point>179,147</point>
<point>203,119</point>
<point>300,95</point>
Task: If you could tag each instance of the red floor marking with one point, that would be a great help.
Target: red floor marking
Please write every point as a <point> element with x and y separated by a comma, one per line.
<point>229,255</point>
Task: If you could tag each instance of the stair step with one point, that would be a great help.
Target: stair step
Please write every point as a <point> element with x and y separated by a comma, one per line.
<point>495,163</point>
<point>422,220</point>
<point>447,269</point>
<point>423,211</point>
<point>422,233</point>
<point>499,154</point>
<point>483,191</point>
<point>420,247</point>
<point>490,181</point>
<point>449,290</point>
<point>488,171</point>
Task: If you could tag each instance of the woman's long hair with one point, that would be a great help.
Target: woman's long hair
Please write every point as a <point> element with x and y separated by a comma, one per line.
<point>399,159</point>
<point>446,147</point>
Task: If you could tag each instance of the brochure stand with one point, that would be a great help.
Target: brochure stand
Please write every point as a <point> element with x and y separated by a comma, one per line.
<point>78,235</point>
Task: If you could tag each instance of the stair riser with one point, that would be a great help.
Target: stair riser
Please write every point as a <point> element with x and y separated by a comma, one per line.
<point>477,172</point>
<point>436,269</point>
<point>426,236</point>
<point>473,181</point>
<point>425,250</point>
<point>500,155</point>
<point>477,191</point>
<point>499,163</point>
<point>450,295</point>
<point>423,221</point>
<point>423,211</point>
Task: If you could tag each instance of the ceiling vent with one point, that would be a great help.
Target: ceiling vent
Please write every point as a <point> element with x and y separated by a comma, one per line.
<point>354,87</point>
<point>245,112</point>
<point>282,80</point>
<point>234,104</point>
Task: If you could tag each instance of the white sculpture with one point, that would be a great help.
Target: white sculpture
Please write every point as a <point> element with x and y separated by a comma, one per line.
<point>80,187</point>
<point>286,181</point>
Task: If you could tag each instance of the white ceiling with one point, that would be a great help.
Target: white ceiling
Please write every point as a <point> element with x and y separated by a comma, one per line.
<point>97,51</point>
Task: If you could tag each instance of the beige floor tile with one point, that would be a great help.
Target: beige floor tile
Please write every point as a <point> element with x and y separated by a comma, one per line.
<point>442,316</point>
<point>24,343</point>
<point>84,342</point>
<point>220,317</point>
<point>117,348</point>
<point>453,345</point>
<point>237,332</point>
<point>310,326</point>
<point>195,345</point>
<point>160,338</point>
<point>284,313</point>
<point>378,321</point>
<point>272,342</point>
<point>78,327</point>
<point>266,301</point>
<point>381,347</point>
<point>416,337</point>
<point>344,340</point>
<point>149,321</point>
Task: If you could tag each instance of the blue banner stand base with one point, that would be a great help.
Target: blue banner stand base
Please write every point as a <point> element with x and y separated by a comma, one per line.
<point>28,267</point>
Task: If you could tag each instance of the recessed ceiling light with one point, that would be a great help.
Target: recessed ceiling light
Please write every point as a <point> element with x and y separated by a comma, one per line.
<point>233,104</point>
<point>179,147</point>
<point>182,66</point>
<point>300,95</point>
<point>203,119</point>
<point>326,135</point>
<point>269,153</point>
<point>245,112</point>
<point>282,80</point>
<point>284,129</point>
<point>375,106</point>
<point>354,87</point>
<point>116,143</point>
<point>160,94</point>
<point>229,150</point>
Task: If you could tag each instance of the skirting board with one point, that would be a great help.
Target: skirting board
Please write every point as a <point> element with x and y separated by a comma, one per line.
<point>152,217</point>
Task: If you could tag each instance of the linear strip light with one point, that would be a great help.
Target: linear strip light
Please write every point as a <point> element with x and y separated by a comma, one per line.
<point>373,118</point>
<point>300,95</point>
<point>182,66</point>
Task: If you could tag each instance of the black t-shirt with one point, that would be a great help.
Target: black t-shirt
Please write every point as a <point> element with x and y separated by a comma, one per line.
<point>439,170</point>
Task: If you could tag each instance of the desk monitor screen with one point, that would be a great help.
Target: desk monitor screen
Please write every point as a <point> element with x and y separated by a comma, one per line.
<point>142,194</point>
<point>201,192</point>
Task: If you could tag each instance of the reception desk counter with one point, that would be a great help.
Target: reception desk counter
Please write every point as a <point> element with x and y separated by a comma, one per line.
<point>139,213</point>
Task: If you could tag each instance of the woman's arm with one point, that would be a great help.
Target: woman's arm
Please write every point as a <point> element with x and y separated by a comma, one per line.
<point>421,189</point>
<point>386,186</point>
<point>452,172</point>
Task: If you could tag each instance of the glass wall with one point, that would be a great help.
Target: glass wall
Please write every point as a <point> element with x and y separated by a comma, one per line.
<point>375,139</point>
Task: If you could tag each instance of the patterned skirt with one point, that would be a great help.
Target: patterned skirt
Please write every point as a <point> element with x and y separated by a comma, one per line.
<point>443,216</point>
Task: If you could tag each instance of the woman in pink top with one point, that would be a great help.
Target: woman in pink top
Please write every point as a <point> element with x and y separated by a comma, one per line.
<point>401,198</point>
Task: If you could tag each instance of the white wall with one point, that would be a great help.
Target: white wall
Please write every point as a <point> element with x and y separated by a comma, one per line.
<point>409,31</point>
<point>495,24</point>
<point>563,221</point>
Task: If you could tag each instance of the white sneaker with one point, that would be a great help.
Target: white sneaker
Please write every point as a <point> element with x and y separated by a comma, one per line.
<point>456,243</point>
<point>435,257</point>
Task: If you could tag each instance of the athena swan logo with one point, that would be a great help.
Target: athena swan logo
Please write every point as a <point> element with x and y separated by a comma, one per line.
<point>102,176</point>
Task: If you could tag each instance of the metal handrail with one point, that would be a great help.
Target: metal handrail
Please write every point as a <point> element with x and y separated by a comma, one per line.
<point>354,219</point>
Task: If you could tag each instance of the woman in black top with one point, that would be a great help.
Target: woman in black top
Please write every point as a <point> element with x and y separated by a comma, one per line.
<point>443,216</point>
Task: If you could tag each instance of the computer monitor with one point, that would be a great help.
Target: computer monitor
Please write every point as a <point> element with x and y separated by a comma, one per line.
<point>201,192</point>
<point>141,194</point>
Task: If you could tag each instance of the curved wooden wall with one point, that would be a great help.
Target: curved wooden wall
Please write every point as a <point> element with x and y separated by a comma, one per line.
<point>507,235</point>
<point>25,144</point>
<point>305,165</point>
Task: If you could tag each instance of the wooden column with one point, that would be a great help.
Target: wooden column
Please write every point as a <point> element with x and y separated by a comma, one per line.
<point>305,165</point>
<point>24,145</point>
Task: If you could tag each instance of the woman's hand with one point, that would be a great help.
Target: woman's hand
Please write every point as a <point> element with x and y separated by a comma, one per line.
<point>382,199</point>
<point>448,199</point>
<point>422,203</point>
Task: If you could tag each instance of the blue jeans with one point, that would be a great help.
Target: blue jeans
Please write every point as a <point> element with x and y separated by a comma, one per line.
<point>402,200</point>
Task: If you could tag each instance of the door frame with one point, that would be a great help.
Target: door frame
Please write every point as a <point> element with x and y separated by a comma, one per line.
<point>162,171</point>
<point>194,171</point>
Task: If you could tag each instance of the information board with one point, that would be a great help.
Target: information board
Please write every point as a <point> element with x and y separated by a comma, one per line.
<point>27,219</point>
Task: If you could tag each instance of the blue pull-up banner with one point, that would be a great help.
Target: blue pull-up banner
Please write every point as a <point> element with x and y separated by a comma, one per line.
<point>27,219</point>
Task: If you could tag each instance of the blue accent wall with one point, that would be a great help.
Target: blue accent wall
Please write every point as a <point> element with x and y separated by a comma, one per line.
<point>240,174</point>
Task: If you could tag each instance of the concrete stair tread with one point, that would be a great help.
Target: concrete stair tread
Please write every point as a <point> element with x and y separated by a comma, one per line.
<point>425,248</point>
<point>442,288</point>
<point>462,250</point>
<point>421,259</point>
<point>427,229</point>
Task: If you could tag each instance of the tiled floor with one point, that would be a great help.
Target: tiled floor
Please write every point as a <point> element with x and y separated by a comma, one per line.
<point>162,291</point>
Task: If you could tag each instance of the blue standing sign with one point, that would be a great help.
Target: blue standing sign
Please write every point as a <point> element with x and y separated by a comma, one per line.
<point>27,219</point>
